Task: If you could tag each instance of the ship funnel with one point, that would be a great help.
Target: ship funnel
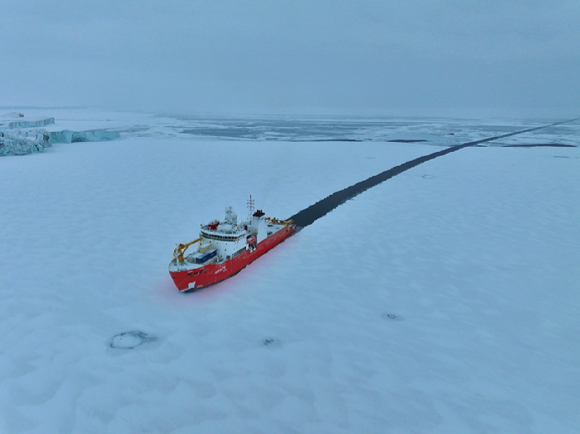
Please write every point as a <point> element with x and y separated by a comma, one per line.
<point>259,225</point>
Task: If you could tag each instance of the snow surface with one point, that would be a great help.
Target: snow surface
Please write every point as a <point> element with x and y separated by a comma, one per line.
<point>443,300</point>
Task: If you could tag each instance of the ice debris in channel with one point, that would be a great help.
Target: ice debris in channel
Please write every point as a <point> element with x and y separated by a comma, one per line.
<point>130,340</point>
<point>20,136</point>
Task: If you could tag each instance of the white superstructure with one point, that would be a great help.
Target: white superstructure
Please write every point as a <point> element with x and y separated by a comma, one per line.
<point>220,241</point>
<point>227,237</point>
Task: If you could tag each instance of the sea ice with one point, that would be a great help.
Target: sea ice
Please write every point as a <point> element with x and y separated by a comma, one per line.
<point>477,263</point>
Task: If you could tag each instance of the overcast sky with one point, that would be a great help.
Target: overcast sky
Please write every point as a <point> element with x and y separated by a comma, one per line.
<point>363,56</point>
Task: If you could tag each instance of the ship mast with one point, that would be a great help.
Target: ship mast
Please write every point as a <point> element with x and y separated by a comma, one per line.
<point>251,208</point>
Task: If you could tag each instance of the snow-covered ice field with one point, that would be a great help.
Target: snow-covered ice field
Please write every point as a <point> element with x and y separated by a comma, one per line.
<point>443,300</point>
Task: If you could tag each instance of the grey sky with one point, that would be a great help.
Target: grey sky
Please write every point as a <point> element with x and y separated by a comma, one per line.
<point>413,56</point>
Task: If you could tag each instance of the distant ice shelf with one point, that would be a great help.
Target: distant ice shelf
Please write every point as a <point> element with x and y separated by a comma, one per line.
<point>28,141</point>
<point>18,120</point>
<point>21,136</point>
<point>31,123</point>
<point>68,136</point>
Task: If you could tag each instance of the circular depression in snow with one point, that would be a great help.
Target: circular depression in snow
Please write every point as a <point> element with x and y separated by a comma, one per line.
<point>130,340</point>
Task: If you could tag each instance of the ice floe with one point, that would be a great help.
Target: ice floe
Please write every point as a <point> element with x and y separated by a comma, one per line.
<point>477,251</point>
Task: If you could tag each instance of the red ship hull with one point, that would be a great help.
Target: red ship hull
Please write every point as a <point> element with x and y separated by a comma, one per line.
<point>210,274</point>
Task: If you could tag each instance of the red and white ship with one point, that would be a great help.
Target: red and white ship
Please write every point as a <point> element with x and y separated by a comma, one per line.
<point>225,247</point>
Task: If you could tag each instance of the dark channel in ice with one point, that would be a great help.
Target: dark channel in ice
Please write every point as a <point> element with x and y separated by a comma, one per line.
<point>309,215</point>
<point>541,145</point>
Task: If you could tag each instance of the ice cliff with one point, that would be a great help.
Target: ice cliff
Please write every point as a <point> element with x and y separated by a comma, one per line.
<point>22,142</point>
<point>17,120</point>
<point>68,136</point>
<point>18,136</point>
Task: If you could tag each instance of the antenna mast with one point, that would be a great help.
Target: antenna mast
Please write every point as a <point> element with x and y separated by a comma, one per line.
<point>250,208</point>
